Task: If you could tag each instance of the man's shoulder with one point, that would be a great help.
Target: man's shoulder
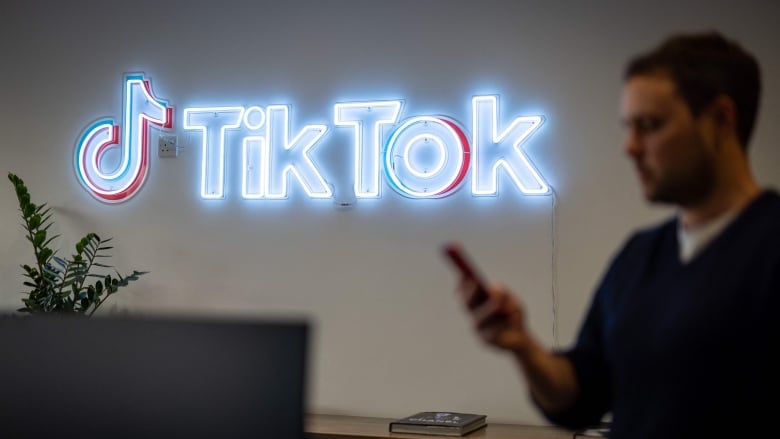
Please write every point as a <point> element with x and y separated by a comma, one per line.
<point>763,214</point>
<point>648,234</point>
<point>768,200</point>
<point>761,219</point>
<point>655,239</point>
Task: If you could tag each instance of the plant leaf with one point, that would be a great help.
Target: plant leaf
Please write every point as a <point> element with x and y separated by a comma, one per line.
<point>44,255</point>
<point>45,244</point>
<point>39,237</point>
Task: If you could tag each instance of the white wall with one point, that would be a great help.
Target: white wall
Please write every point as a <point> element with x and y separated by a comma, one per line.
<point>390,336</point>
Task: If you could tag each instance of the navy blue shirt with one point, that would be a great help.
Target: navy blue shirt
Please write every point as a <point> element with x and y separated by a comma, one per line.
<point>677,350</point>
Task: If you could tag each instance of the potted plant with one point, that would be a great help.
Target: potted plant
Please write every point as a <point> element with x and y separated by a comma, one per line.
<point>70,285</point>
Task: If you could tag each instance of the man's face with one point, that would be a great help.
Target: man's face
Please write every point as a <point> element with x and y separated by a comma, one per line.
<point>673,151</point>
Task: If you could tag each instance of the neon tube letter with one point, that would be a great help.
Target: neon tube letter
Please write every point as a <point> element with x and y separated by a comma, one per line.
<point>291,156</point>
<point>212,123</point>
<point>367,119</point>
<point>494,150</point>
<point>427,157</point>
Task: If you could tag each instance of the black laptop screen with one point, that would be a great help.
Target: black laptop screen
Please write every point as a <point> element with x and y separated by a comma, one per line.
<point>152,377</point>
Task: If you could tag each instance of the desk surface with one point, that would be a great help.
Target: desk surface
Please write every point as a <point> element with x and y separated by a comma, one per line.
<point>355,427</point>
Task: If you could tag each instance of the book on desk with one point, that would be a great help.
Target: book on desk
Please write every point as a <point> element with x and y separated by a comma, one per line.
<point>439,423</point>
<point>601,430</point>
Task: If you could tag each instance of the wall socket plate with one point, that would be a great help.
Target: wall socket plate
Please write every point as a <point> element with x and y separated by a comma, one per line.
<point>167,146</point>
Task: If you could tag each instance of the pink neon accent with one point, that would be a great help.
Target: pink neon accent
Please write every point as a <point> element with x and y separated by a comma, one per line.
<point>464,143</point>
<point>168,110</point>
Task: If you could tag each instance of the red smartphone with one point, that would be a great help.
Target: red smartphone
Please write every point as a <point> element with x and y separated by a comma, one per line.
<point>457,256</point>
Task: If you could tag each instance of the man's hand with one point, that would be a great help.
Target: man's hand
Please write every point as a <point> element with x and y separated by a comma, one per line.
<point>499,320</point>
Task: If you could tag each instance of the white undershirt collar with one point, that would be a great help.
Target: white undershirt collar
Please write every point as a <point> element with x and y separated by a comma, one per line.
<point>692,240</point>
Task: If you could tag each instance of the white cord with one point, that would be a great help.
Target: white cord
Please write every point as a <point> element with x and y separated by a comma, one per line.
<point>554,265</point>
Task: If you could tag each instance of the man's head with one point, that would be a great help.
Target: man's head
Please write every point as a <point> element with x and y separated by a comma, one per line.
<point>689,106</point>
<point>703,67</point>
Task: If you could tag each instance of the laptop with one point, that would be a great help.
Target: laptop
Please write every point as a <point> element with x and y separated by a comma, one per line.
<point>152,377</point>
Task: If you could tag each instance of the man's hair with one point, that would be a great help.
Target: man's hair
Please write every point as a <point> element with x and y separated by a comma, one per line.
<point>704,66</point>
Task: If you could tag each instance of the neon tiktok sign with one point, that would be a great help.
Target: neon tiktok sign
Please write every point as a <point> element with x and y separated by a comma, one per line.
<point>420,157</point>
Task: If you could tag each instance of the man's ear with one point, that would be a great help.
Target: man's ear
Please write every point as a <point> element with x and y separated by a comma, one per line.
<point>724,112</point>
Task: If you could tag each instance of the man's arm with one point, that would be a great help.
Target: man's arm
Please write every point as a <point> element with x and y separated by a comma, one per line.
<point>500,322</point>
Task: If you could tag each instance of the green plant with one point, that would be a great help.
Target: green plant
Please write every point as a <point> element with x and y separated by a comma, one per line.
<point>61,285</point>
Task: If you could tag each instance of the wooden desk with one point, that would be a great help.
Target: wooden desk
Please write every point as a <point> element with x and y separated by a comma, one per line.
<point>355,427</point>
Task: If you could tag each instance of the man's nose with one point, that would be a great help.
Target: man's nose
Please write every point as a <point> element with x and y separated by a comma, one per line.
<point>632,144</point>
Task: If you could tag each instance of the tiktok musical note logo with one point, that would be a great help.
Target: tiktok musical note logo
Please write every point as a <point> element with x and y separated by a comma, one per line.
<point>113,171</point>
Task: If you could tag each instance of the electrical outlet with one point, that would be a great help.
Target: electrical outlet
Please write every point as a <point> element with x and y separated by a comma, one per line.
<point>167,147</point>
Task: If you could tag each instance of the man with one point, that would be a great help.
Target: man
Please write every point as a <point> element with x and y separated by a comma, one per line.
<point>678,337</point>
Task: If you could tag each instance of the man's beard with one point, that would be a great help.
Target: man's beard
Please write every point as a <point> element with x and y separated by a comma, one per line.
<point>687,188</point>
